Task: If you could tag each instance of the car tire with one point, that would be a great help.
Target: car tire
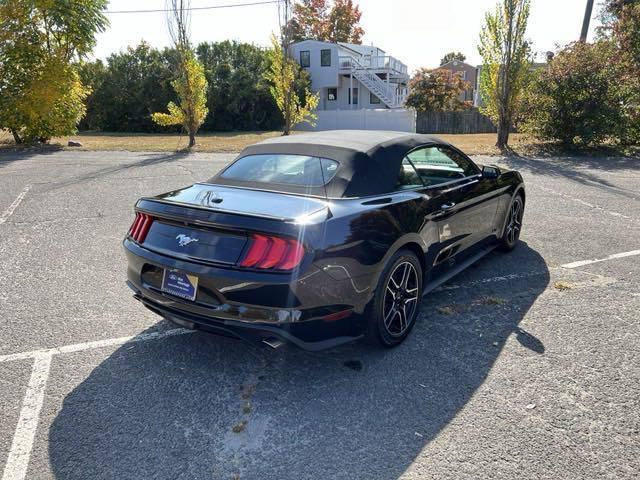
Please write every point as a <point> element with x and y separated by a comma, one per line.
<point>392,312</point>
<point>512,224</point>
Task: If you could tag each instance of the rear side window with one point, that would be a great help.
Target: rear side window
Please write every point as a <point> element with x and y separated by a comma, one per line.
<point>439,165</point>
<point>408,178</point>
<point>442,157</point>
<point>295,170</point>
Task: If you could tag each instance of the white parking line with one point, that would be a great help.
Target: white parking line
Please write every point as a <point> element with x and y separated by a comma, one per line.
<point>582,202</point>
<point>78,347</point>
<point>9,211</point>
<point>20,451</point>
<point>598,260</point>
<point>24,436</point>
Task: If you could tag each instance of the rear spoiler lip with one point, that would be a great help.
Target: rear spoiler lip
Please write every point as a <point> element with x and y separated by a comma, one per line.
<point>210,209</point>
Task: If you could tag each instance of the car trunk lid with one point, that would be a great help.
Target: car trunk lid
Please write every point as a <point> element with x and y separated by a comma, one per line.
<point>243,201</point>
<point>214,224</point>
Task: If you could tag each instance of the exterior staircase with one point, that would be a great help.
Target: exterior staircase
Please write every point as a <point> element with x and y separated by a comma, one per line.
<point>386,92</point>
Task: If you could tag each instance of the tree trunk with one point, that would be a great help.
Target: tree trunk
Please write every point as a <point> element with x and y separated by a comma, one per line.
<point>504,125</point>
<point>16,137</point>
<point>287,122</point>
<point>192,139</point>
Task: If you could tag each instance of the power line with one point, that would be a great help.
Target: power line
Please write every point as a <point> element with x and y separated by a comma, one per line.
<point>212,7</point>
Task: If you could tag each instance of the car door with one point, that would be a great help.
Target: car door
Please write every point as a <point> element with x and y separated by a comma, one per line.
<point>424,204</point>
<point>467,202</point>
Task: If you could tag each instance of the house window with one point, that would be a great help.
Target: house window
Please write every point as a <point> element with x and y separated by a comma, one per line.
<point>373,99</point>
<point>305,58</point>
<point>325,58</point>
<point>354,96</point>
<point>332,94</point>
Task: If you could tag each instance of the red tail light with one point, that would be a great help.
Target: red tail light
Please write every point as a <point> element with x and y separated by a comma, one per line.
<point>267,251</point>
<point>140,227</point>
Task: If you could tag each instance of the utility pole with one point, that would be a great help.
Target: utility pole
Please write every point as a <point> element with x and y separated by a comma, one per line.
<point>284,10</point>
<point>585,22</point>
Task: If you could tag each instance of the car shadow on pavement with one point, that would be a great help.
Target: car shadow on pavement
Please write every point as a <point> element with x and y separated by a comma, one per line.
<point>202,406</point>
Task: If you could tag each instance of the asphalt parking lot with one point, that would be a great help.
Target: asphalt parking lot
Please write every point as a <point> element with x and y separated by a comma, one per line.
<point>525,366</point>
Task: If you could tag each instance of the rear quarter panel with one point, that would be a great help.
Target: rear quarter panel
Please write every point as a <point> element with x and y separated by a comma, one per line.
<point>360,237</point>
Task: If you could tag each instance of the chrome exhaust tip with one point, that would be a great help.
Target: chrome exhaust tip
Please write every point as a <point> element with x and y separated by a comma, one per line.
<point>182,323</point>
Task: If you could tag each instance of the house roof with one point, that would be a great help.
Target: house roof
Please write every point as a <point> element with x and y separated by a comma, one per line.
<point>459,61</point>
<point>312,40</point>
<point>369,161</point>
<point>354,47</point>
<point>359,48</point>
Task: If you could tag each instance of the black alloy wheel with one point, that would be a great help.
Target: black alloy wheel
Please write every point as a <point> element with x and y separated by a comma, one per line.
<point>513,226</point>
<point>396,303</point>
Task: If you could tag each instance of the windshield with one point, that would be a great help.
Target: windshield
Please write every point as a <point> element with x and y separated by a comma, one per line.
<point>294,170</point>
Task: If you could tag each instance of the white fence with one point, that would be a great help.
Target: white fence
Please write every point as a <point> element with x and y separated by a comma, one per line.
<point>398,119</point>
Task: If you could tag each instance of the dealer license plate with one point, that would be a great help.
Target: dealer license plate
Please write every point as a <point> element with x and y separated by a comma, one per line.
<point>180,284</point>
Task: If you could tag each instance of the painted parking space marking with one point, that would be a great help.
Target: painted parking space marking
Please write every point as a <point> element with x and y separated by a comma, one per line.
<point>27,426</point>
<point>78,347</point>
<point>582,202</point>
<point>581,263</point>
<point>24,436</point>
<point>11,208</point>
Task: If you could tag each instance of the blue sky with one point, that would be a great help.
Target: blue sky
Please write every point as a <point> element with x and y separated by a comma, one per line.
<point>418,32</point>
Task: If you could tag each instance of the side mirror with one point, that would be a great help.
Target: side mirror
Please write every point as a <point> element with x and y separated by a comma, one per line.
<point>490,171</point>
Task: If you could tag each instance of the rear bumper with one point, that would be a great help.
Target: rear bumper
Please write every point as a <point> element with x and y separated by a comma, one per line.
<point>258,334</point>
<point>252,306</point>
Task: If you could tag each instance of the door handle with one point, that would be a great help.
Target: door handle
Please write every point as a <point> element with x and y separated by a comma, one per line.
<point>444,209</point>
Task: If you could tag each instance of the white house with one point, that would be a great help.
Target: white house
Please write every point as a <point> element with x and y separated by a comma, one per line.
<point>352,77</point>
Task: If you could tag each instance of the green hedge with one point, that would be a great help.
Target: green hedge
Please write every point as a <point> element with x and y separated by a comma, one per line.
<point>131,85</point>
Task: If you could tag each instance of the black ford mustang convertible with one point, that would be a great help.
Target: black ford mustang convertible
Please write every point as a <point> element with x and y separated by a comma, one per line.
<point>322,238</point>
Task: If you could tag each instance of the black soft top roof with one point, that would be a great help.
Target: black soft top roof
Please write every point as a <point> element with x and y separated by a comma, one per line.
<point>369,159</point>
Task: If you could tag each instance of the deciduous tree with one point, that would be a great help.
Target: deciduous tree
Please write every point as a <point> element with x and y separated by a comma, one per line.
<point>436,91</point>
<point>191,88</point>
<point>40,42</point>
<point>576,100</point>
<point>506,56</point>
<point>283,75</point>
<point>316,20</point>
<point>308,21</point>
<point>343,22</point>
<point>191,84</point>
<point>622,23</point>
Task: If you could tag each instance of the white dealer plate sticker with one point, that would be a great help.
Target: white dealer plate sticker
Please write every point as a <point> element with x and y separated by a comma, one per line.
<point>180,284</point>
